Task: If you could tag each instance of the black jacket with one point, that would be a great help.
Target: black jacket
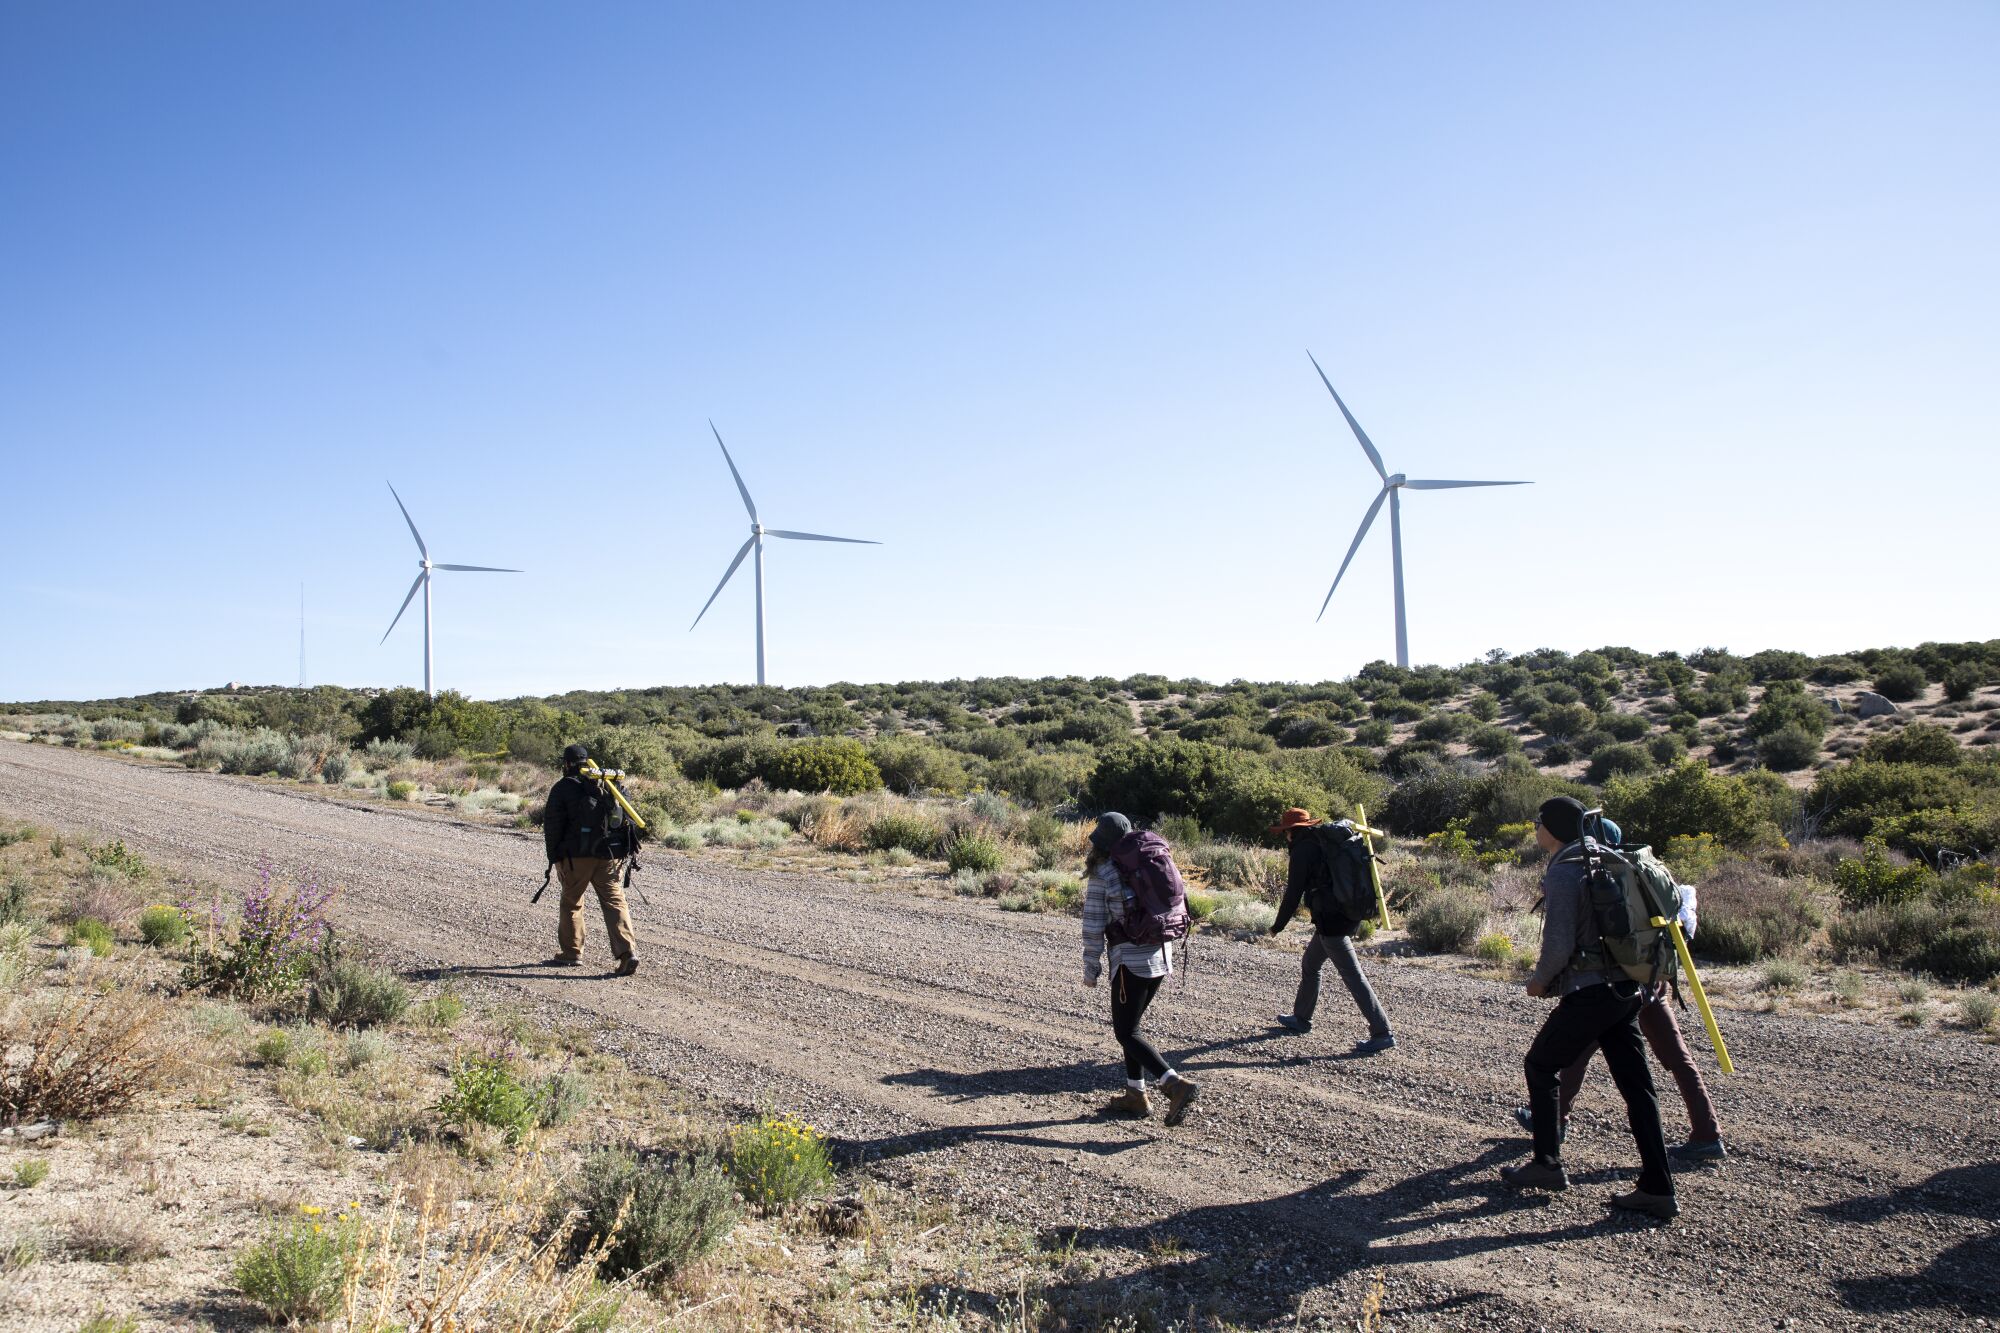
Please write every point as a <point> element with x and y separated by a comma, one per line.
<point>1306,874</point>
<point>574,822</point>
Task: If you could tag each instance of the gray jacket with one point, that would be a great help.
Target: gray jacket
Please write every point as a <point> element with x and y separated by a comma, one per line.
<point>1568,928</point>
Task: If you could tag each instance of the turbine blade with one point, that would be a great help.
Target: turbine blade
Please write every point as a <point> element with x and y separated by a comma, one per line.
<point>1366,444</point>
<point>1366,519</point>
<point>1454,485</point>
<point>479,569</point>
<point>741,489</point>
<point>421,548</point>
<point>741,551</point>
<point>815,537</point>
<point>404,607</point>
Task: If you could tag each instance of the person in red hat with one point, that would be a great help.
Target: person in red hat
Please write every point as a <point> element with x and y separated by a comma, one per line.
<point>1309,873</point>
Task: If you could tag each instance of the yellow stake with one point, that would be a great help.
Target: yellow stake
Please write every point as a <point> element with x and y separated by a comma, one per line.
<point>1700,996</point>
<point>593,771</point>
<point>1374,875</point>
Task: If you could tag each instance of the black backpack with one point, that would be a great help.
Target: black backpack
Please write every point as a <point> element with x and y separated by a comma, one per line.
<point>1346,890</point>
<point>1628,889</point>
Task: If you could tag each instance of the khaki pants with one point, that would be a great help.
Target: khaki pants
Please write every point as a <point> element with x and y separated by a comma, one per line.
<point>596,872</point>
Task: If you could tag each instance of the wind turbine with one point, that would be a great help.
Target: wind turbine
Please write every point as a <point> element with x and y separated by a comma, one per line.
<point>758,532</point>
<point>1392,487</point>
<point>424,568</point>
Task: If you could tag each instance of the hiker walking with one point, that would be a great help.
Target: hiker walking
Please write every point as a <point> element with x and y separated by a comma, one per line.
<point>577,828</point>
<point>1135,907</point>
<point>1328,873</point>
<point>1662,1032</point>
<point>1599,1006</point>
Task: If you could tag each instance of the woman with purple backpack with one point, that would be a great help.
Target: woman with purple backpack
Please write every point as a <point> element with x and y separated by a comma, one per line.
<point>1112,917</point>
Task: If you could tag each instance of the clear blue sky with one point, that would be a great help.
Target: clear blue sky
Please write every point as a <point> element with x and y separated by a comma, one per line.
<point>1023,291</point>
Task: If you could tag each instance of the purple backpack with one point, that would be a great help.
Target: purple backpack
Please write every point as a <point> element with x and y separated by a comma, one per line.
<point>1158,910</point>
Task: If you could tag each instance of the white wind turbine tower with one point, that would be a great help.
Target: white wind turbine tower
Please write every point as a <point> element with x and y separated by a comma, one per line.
<point>758,532</point>
<point>1392,486</point>
<point>424,568</point>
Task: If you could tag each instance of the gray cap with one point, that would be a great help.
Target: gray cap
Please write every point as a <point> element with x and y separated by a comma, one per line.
<point>1110,831</point>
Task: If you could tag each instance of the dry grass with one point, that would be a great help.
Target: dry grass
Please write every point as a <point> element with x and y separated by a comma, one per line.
<point>110,1234</point>
<point>77,1057</point>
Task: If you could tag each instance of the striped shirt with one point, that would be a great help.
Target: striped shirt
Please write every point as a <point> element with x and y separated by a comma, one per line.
<point>1104,902</point>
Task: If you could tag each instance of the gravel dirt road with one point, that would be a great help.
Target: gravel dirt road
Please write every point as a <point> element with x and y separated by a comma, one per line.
<point>950,1045</point>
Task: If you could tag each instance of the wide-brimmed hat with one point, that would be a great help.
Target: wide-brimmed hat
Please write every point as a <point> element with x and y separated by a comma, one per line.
<point>1291,819</point>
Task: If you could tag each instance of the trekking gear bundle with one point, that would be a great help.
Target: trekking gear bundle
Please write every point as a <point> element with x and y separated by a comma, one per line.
<point>1157,910</point>
<point>1347,889</point>
<point>1633,899</point>
<point>622,825</point>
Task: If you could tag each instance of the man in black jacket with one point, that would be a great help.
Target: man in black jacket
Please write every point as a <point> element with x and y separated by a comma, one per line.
<point>1308,873</point>
<point>576,827</point>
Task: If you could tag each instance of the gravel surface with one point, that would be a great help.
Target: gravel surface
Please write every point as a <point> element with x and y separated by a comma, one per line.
<point>950,1045</point>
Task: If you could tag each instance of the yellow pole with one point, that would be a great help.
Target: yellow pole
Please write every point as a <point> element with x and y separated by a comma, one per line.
<point>1700,996</point>
<point>605,778</point>
<point>1374,874</point>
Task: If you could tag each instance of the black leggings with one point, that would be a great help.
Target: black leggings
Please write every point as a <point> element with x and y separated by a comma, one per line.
<point>1129,997</point>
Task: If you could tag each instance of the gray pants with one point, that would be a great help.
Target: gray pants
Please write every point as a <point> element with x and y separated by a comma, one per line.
<point>1341,950</point>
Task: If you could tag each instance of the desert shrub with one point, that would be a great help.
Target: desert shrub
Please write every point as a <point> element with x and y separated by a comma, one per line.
<point>1748,914</point>
<point>30,1172</point>
<point>1900,682</point>
<point>485,1090</point>
<point>636,750</point>
<point>651,1216</point>
<point>1428,800</point>
<point>1918,743</point>
<point>1782,974</point>
<point>1494,948</point>
<point>1563,721</point>
<point>913,766</point>
<point>117,858</point>
<point>1667,748</point>
<point>779,1159</point>
<point>1876,878</point>
<point>1959,943</point>
<point>114,1235</point>
<point>1047,779</point>
<point>1623,726</point>
<point>1492,742</point>
<point>353,995</point>
<point>270,949</point>
<point>1590,742</point>
<point>400,790</point>
<point>14,904</point>
<point>1444,727</point>
<point>1787,704</point>
<point>1240,912</point>
<point>296,1271</point>
<point>973,851</point>
<point>1483,706</point>
<point>1963,681</point>
<point>385,752</point>
<point>334,769</point>
<point>1447,918</point>
<point>1231,792</point>
<point>1555,754</point>
<point>364,1048</point>
<point>93,935</point>
<point>907,829</point>
<point>162,926</point>
<point>1308,732</point>
<point>1374,732</point>
<point>1788,749</point>
<point>442,1010</point>
<point>1977,1011</point>
<point>1617,760</point>
<point>1689,799</point>
<point>1853,797</point>
<point>89,1055</point>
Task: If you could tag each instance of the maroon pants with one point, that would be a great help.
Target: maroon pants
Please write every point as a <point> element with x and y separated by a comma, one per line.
<point>1663,1034</point>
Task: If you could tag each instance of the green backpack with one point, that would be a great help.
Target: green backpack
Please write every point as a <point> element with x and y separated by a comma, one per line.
<point>1628,889</point>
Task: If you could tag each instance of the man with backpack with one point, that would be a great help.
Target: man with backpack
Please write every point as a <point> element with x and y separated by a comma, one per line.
<point>1587,959</point>
<point>1328,872</point>
<point>1670,1048</point>
<point>588,837</point>
<point>1135,907</point>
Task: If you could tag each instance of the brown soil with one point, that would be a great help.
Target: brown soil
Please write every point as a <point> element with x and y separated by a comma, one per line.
<point>950,1046</point>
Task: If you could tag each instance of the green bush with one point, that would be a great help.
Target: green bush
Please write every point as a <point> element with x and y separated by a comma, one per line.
<point>295,1272</point>
<point>1376,732</point>
<point>1620,759</point>
<point>1901,682</point>
<point>1959,943</point>
<point>1447,919</point>
<point>1781,974</point>
<point>834,764</point>
<point>1492,742</point>
<point>1748,914</point>
<point>1788,705</point>
<point>1047,779</point>
<point>1875,879</point>
<point>913,766</point>
<point>973,851</point>
<point>1918,743</point>
<point>353,995</point>
<point>778,1160</point>
<point>401,791</point>
<point>485,1090</point>
<point>13,900</point>
<point>162,926</point>
<point>1963,681</point>
<point>1233,793</point>
<point>1687,800</point>
<point>93,934</point>
<point>1788,749</point>
<point>1494,948</point>
<point>668,1213</point>
<point>907,829</point>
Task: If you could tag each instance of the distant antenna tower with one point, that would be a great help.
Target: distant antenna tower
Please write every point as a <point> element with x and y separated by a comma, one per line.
<point>302,635</point>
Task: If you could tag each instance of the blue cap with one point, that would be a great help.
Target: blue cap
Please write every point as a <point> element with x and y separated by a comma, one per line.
<point>1613,835</point>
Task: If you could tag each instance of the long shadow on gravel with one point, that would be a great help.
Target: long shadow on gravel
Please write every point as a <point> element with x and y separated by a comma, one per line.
<point>1965,1277</point>
<point>1258,1259</point>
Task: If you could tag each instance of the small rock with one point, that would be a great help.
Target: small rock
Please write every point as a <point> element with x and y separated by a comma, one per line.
<point>40,1129</point>
<point>1870,704</point>
<point>356,1141</point>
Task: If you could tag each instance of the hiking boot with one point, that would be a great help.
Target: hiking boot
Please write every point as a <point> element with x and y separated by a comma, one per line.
<point>1662,1206</point>
<point>1180,1093</point>
<point>1536,1175</point>
<point>627,965</point>
<point>1132,1102</point>
<point>1525,1118</point>
<point>1376,1045</point>
<point>1691,1151</point>
<point>1293,1023</point>
<point>563,960</point>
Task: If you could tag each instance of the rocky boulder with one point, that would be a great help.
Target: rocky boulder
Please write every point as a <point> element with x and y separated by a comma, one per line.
<point>1870,704</point>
